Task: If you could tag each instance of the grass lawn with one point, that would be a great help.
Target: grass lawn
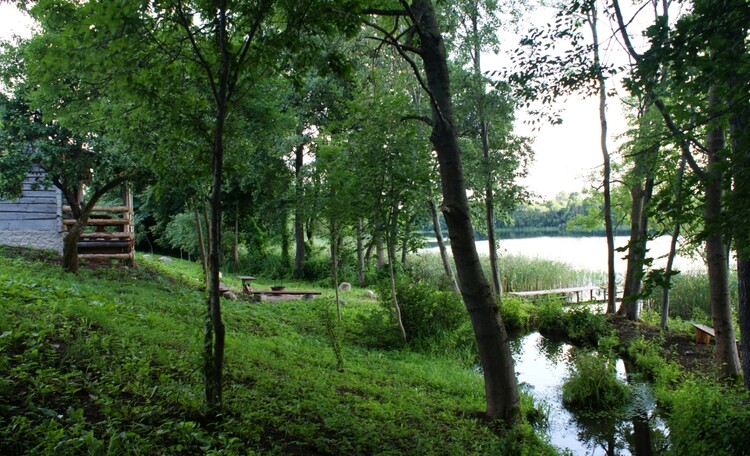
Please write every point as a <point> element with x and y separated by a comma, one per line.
<point>109,362</point>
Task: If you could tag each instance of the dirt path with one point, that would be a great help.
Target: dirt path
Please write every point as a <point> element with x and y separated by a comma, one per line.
<point>678,347</point>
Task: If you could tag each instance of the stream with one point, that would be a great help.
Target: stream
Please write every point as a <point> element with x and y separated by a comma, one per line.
<point>542,364</point>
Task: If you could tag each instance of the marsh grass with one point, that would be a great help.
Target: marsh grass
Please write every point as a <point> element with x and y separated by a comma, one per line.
<point>592,384</point>
<point>517,273</point>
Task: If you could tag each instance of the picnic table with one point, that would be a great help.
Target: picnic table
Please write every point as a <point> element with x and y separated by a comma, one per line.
<point>247,286</point>
<point>259,295</point>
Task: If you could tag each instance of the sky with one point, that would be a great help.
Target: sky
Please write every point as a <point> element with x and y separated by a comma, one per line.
<point>566,155</point>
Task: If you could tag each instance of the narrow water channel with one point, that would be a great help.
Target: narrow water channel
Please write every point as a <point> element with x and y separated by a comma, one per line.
<point>542,364</point>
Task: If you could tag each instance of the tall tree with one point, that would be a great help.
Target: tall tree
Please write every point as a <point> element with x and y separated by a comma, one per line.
<point>501,389</point>
<point>699,45</point>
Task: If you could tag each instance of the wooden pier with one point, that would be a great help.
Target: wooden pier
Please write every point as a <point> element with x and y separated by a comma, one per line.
<point>592,292</point>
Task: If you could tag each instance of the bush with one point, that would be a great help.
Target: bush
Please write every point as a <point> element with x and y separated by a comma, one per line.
<point>593,384</point>
<point>431,317</point>
<point>586,327</point>
<point>709,419</point>
<point>550,316</point>
<point>516,313</point>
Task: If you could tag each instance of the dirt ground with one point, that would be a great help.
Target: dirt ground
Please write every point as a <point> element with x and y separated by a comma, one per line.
<point>678,347</point>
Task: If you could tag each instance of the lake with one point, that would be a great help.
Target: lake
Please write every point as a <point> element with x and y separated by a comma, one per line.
<point>588,253</point>
<point>542,364</point>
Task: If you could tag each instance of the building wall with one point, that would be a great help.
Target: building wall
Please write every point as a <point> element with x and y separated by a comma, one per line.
<point>33,220</point>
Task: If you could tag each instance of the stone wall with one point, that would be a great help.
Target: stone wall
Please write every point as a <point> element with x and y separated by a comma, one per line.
<point>42,240</point>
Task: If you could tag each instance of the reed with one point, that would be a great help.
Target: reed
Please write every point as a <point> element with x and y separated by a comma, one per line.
<point>517,272</point>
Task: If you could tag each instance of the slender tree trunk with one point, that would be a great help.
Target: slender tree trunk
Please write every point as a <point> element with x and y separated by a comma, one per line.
<point>335,265</point>
<point>285,238</point>
<point>380,251</point>
<point>717,257</point>
<point>215,332</point>
<point>501,389</point>
<point>445,259</point>
<point>236,243</point>
<point>608,225</point>
<point>489,203</point>
<point>673,243</point>
<point>360,253</point>
<point>394,296</point>
<point>299,213</point>
<point>405,244</point>
<point>201,245</point>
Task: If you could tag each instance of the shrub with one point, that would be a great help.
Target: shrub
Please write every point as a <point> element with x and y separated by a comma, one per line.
<point>593,384</point>
<point>431,317</point>
<point>550,316</point>
<point>515,312</point>
<point>586,327</point>
<point>709,419</point>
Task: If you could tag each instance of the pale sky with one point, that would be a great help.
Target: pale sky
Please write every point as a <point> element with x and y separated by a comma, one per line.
<point>566,154</point>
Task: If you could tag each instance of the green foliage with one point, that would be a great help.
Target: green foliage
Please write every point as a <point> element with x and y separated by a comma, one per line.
<point>432,318</point>
<point>593,384</point>
<point>550,316</point>
<point>516,313</point>
<point>585,326</point>
<point>707,418</point>
<point>106,363</point>
<point>648,358</point>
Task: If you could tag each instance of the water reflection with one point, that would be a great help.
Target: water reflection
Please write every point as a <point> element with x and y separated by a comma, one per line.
<point>541,367</point>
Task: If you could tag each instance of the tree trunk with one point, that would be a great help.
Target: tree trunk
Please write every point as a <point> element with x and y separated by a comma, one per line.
<point>335,265</point>
<point>444,258</point>
<point>379,251</point>
<point>394,297</point>
<point>285,259</point>
<point>299,214</point>
<point>673,243</point>
<point>631,302</point>
<point>489,203</point>
<point>405,244</point>
<point>215,332</point>
<point>717,257</point>
<point>501,389</point>
<point>81,214</point>
<point>743,298</point>
<point>360,253</point>
<point>70,245</point>
<point>740,198</point>
<point>236,242</point>
<point>201,245</point>
<point>608,225</point>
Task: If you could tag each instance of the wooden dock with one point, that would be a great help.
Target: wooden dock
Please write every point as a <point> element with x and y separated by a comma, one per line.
<point>592,292</point>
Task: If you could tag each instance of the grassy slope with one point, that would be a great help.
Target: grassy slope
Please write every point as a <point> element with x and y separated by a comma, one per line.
<point>108,362</point>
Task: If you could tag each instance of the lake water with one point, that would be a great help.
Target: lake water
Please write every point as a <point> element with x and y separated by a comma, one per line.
<point>542,364</point>
<point>589,253</point>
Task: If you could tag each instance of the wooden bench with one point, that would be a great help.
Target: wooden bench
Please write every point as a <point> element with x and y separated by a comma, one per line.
<point>260,294</point>
<point>703,333</point>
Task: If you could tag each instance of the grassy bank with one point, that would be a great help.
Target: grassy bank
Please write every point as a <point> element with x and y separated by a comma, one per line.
<point>107,362</point>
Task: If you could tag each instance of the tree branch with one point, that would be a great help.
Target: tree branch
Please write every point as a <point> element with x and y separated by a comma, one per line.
<point>424,119</point>
<point>183,22</point>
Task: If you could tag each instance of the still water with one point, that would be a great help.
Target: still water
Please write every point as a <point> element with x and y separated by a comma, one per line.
<point>589,253</point>
<point>542,364</point>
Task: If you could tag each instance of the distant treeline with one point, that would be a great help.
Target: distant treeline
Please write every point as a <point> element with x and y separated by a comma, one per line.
<point>567,214</point>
